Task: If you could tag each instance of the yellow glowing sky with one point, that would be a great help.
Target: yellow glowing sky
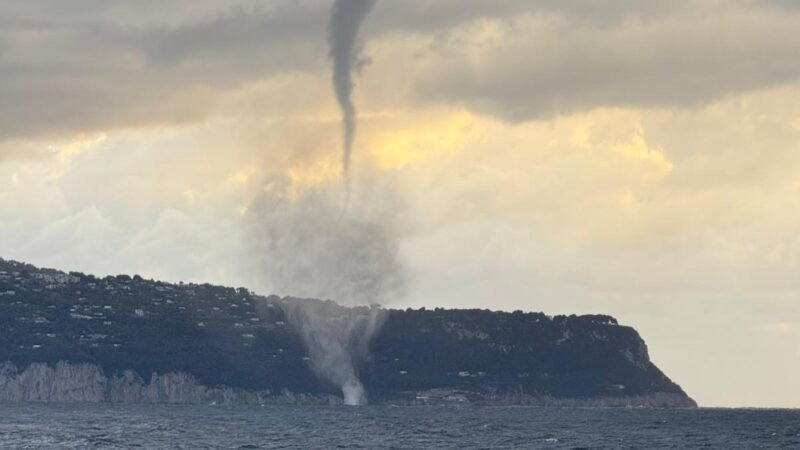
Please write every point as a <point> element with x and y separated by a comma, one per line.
<point>639,161</point>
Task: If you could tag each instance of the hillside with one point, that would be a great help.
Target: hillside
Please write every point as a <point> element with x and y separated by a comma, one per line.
<point>135,338</point>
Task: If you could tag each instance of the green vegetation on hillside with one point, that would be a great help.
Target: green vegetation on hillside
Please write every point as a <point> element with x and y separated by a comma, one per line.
<point>231,337</point>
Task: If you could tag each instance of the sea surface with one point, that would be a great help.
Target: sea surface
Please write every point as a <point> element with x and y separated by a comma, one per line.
<point>208,427</point>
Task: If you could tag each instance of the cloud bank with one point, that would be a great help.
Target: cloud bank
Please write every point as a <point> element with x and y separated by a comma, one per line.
<point>99,65</point>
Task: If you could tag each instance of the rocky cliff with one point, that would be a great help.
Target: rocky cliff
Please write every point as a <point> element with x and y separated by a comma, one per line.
<point>86,383</point>
<point>75,337</point>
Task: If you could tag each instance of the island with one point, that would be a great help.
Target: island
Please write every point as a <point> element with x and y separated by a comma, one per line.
<point>74,337</point>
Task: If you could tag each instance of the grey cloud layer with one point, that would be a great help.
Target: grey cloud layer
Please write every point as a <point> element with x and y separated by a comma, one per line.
<point>549,65</point>
<point>92,72</point>
<point>91,64</point>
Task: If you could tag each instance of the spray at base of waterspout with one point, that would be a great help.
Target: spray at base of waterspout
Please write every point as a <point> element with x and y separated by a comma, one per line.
<point>354,394</point>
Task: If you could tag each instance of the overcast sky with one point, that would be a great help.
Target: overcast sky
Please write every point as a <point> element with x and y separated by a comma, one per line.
<point>640,159</point>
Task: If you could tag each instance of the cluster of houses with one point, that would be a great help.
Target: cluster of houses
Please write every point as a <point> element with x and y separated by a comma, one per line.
<point>61,309</point>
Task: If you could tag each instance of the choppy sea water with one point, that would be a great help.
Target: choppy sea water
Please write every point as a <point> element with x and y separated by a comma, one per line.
<point>207,427</point>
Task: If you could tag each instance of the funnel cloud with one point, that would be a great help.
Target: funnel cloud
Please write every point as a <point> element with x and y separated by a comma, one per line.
<point>345,22</point>
<point>311,248</point>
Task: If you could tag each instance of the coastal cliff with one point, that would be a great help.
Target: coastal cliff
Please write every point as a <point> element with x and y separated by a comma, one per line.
<point>71,337</point>
<point>86,383</point>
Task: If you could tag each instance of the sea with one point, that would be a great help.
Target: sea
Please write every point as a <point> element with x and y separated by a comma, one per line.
<point>86,426</point>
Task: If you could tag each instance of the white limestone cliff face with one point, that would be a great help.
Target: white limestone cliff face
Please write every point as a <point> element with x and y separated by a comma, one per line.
<point>62,383</point>
<point>86,383</point>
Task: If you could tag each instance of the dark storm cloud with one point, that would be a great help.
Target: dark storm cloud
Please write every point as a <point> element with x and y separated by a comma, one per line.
<point>89,70</point>
<point>438,15</point>
<point>547,66</point>
<point>87,65</point>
